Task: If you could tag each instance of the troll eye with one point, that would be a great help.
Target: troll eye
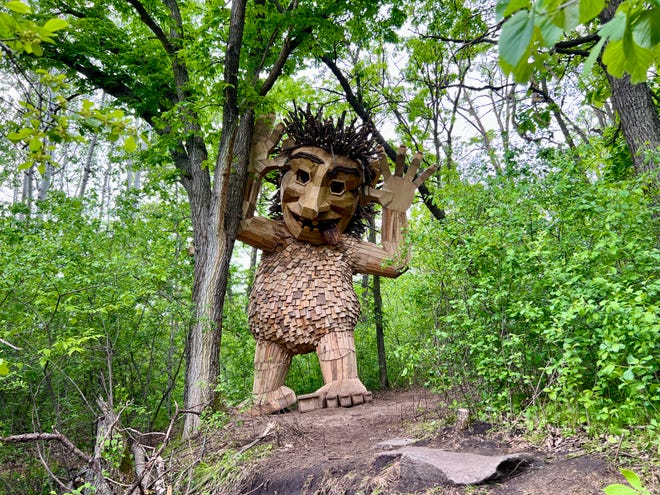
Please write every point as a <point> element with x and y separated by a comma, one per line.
<point>302,177</point>
<point>337,186</point>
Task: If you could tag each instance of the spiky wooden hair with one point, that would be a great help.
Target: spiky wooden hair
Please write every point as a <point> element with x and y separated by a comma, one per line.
<point>356,142</point>
<point>305,128</point>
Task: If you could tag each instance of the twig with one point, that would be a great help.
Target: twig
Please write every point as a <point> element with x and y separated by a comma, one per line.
<point>3,341</point>
<point>267,431</point>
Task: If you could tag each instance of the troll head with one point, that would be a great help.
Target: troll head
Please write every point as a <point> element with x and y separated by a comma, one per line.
<point>328,166</point>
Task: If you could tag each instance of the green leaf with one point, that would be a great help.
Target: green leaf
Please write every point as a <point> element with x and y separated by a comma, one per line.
<point>590,9</point>
<point>593,56</point>
<point>4,369</point>
<point>18,7</point>
<point>632,478</point>
<point>628,375</point>
<point>16,137</point>
<point>626,56</point>
<point>129,144</point>
<point>516,37</point>
<point>615,28</point>
<point>618,489</point>
<point>549,31</point>
<point>55,24</point>
<point>642,30</point>
<point>8,21</point>
<point>505,8</point>
<point>35,144</point>
<point>93,122</point>
<point>568,17</point>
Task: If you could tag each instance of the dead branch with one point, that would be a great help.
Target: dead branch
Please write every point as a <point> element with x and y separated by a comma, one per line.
<point>48,437</point>
<point>267,431</point>
<point>149,465</point>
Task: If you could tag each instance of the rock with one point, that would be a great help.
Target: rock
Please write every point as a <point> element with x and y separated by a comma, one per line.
<point>434,466</point>
<point>396,443</point>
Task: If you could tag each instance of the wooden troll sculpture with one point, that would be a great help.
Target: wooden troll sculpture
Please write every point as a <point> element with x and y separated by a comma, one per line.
<point>303,299</point>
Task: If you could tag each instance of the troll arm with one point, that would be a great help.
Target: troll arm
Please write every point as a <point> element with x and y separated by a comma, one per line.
<point>391,258</point>
<point>260,232</point>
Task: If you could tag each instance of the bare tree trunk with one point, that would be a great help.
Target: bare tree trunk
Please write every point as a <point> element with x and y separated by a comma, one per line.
<point>44,184</point>
<point>378,320</point>
<point>106,425</point>
<point>27,192</point>
<point>87,168</point>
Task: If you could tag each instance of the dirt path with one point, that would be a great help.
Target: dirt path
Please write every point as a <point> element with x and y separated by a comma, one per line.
<point>333,451</point>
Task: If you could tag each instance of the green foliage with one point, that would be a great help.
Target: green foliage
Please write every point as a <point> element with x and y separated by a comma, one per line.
<point>92,308</point>
<point>41,129</point>
<point>84,489</point>
<point>22,35</point>
<point>635,487</point>
<point>537,293</point>
<point>631,38</point>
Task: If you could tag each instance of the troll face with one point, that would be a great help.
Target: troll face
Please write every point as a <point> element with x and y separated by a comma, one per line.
<point>319,194</point>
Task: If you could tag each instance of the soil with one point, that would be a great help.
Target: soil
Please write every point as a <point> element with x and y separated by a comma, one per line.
<point>334,451</point>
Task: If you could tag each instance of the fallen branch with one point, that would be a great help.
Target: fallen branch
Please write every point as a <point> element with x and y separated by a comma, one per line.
<point>146,468</point>
<point>267,431</point>
<point>48,437</point>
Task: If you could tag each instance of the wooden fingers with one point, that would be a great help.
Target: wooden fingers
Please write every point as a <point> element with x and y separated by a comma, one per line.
<point>414,166</point>
<point>425,175</point>
<point>383,164</point>
<point>400,161</point>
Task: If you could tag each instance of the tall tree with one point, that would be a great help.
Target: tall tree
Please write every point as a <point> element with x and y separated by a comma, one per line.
<point>621,34</point>
<point>196,73</point>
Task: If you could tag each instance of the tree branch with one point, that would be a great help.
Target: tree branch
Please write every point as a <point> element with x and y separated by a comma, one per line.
<point>151,24</point>
<point>577,41</point>
<point>363,113</point>
<point>48,437</point>
<point>289,46</point>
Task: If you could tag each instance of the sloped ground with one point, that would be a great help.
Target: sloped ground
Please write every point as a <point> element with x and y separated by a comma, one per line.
<point>333,451</point>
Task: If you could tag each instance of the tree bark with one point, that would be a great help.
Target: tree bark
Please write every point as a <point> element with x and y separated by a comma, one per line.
<point>215,219</point>
<point>639,119</point>
<point>638,114</point>
<point>380,334</point>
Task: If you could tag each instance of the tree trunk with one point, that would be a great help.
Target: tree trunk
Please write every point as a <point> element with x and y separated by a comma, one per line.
<point>639,117</point>
<point>87,168</point>
<point>380,334</point>
<point>215,219</point>
<point>106,426</point>
<point>214,234</point>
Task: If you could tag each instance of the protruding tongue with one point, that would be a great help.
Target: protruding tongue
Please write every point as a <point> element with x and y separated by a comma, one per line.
<point>331,234</point>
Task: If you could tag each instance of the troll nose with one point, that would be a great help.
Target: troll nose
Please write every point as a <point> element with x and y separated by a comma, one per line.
<point>313,202</point>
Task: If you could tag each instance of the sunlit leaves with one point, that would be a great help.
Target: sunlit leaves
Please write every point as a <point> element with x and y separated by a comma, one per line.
<point>42,130</point>
<point>630,40</point>
<point>22,35</point>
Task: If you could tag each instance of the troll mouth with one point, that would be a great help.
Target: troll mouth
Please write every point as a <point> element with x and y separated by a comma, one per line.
<point>329,229</point>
